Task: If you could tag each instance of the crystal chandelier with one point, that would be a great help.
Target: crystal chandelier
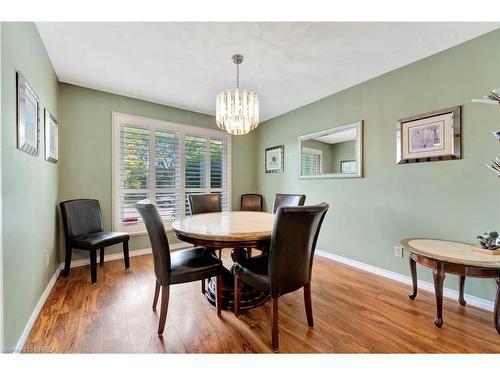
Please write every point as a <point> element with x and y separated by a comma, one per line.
<point>237,111</point>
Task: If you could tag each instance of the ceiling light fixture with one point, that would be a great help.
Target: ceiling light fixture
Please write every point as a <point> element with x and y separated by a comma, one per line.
<point>237,111</point>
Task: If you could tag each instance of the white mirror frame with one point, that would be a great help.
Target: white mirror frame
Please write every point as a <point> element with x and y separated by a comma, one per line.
<point>358,151</point>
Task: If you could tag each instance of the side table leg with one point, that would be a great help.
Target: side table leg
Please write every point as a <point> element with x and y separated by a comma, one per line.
<point>439,275</point>
<point>497,306</point>
<point>461,298</point>
<point>413,270</point>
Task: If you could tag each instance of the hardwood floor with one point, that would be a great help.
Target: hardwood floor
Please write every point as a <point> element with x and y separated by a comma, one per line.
<point>354,312</point>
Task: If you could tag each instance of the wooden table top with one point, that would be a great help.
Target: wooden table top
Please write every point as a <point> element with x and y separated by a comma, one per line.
<point>452,252</point>
<point>227,226</point>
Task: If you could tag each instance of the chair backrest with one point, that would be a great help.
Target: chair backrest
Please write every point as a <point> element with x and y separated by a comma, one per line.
<point>204,203</point>
<point>158,239</point>
<point>81,216</point>
<point>293,242</point>
<point>251,202</point>
<point>281,200</point>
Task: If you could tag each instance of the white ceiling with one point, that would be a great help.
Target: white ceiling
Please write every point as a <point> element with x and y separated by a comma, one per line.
<point>289,64</point>
<point>337,137</point>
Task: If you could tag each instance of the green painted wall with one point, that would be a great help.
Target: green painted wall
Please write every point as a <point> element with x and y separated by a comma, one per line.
<point>448,199</point>
<point>85,149</point>
<point>343,151</point>
<point>29,184</point>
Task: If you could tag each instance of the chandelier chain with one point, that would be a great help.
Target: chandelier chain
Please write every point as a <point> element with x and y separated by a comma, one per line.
<point>238,76</point>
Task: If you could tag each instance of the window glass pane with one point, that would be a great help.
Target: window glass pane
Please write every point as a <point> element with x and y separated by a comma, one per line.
<point>134,149</point>
<point>311,164</point>
<point>129,216</point>
<point>306,164</point>
<point>167,159</point>
<point>167,205</point>
<point>195,155</point>
<point>216,160</point>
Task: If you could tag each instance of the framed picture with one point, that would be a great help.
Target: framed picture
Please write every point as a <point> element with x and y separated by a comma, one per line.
<point>274,159</point>
<point>51,137</point>
<point>28,117</point>
<point>430,136</point>
<point>348,166</point>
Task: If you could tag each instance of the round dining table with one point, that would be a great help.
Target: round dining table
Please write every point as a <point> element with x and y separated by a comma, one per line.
<point>238,230</point>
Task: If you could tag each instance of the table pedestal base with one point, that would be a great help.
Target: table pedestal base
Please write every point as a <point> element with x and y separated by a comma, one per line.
<point>250,297</point>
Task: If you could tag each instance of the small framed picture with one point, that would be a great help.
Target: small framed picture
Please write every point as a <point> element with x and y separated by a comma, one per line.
<point>28,117</point>
<point>430,136</point>
<point>51,138</point>
<point>348,166</point>
<point>274,159</point>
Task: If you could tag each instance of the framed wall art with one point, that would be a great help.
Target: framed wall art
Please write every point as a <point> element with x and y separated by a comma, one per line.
<point>274,159</point>
<point>51,130</point>
<point>348,166</point>
<point>430,136</point>
<point>28,117</point>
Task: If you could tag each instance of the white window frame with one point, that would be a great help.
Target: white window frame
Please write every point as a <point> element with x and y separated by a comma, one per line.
<point>182,130</point>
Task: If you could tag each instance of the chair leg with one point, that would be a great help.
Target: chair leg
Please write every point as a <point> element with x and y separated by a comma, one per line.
<point>157,293</point>
<point>274,325</point>
<point>93,265</point>
<point>125,254</point>
<point>308,304</point>
<point>237,295</point>
<point>165,293</point>
<point>203,286</point>
<point>67,261</point>
<point>249,252</point>
<point>101,256</point>
<point>220,253</point>
<point>218,295</point>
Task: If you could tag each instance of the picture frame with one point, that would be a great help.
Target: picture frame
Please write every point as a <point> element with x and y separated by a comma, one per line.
<point>275,159</point>
<point>51,130</point>
<point>348,166</point>
<point>28,117</point>
<point>432,136</point>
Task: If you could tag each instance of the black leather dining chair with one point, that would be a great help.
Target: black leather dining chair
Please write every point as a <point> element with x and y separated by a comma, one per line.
<point>281,200</point>
<point>288,265</point>
<point>204,203</point>
<point>182,266</point>
<point>251,202</point>
<point>83,229</point>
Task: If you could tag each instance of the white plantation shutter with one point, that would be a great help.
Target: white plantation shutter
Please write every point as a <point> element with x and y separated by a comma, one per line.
<point>219,170</point>
<point>134,172</point>
<point>311,162</point>
<point>195,159</point>
<point>206,168</point>
<point>165,162</point>
<point>167,175</point>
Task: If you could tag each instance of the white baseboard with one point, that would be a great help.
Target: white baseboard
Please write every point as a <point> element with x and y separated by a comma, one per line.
<point>36,311</point>
<point>132,253</point>
<point>450,293</point>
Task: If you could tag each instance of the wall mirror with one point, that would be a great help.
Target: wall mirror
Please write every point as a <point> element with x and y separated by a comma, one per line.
<point>332,153</point>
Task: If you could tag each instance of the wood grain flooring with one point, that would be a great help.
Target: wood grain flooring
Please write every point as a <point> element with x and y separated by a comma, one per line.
<point>354,312</point>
